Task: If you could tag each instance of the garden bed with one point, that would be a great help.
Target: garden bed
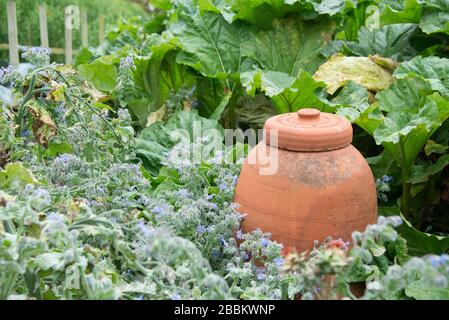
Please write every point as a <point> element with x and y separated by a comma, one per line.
<point>98,201</point>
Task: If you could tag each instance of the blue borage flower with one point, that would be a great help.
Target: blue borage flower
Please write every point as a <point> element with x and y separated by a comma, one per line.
<point>215,253</point>
<point>146,231</point>
<point>25,133</point>
<point>124,116</point>
<point>162,209</point>
<point>126,63</point>
<point>40,193</point>
<point>439,261</point>
<point>201,229</point>
<point>144,200</point>
<point>8,75</point>
<point>55,217</point>
<point>279,261</point>
<point>223,241</point>
<point>223,187</point>
<point>37,56</point>
<point>183,193</point>
<point>264,242</point>
<point>175,296</point>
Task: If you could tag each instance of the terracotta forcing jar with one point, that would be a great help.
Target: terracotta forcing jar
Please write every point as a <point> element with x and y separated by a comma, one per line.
<point>320,185</point>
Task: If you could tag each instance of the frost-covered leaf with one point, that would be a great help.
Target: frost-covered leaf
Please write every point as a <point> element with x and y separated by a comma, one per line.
<point>339,70</point>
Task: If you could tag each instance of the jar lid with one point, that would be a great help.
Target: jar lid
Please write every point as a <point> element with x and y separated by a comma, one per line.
<point>309,130</point>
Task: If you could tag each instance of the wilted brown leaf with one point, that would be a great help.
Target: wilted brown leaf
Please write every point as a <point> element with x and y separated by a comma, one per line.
<point>44,128</point>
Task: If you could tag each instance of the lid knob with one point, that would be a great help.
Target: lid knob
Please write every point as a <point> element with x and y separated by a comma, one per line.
<point>309,114</point>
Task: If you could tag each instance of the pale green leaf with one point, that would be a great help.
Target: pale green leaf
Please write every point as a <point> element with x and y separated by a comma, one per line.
<point>339,70</point>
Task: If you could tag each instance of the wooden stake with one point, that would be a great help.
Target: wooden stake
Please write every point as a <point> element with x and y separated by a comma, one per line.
<point>68,37</point>
<point>84,29</point>
<point>43,27</point>
<point>12,34</point>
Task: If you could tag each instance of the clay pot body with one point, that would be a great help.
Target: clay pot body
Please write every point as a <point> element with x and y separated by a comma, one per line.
<point>312,195</point>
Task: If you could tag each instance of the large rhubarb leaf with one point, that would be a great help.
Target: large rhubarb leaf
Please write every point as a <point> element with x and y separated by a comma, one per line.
<point>405,95</point>
<point>254,11</point>
<point>352,100</point>
<point>290,45</point>
<point>260,12</point>
<point>102,73</point>
<point>209,44</point>
<point>391,41</point>
<point>287,93</point>
<point>155,141</point>
<point>328,7</point>
<point>435,16</point>
<point>404,133</point>
<point>433,69</point>
<point>400,11</point>
<point>418,243</point>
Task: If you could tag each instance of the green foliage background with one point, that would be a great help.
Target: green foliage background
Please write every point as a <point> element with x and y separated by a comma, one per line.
<point>28,20</point>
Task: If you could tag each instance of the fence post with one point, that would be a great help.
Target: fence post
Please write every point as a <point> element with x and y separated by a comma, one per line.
<point>84,30</point>
<point>68,37</point>
<point>43,27</point>
<point>12,34</point>
<point>101,29</point>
